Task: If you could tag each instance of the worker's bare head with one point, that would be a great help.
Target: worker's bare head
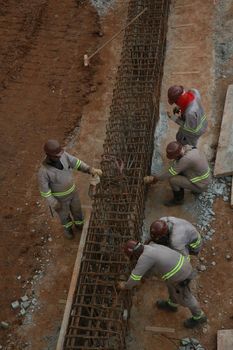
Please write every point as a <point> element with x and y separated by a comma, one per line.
<point>159,231</point>
<point>174,150</point>
<point>53,149</point>
<point>174,92</point>
<point>133,249</point>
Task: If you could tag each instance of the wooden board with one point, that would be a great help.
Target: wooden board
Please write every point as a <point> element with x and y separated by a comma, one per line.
<point>224,158</point>
<point>74,278</point>
<point>232,193</point>
<point>225,339</point>
<point>159,329</point>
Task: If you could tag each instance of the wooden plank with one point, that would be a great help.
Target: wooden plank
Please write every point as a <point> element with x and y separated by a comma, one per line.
<point>232,193</point>
<point>224,163</point>
<point>74,278</point>
<point>159,329</point>
<point>225,339</point>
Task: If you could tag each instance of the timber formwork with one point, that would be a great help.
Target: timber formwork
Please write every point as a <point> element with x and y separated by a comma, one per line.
<point>98,313</point>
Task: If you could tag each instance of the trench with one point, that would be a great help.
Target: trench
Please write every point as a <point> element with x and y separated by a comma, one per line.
<point>98,315</point>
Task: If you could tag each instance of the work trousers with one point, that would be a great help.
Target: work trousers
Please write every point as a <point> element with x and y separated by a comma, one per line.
<point>179,181</point>
<point>70,211</point>
<point>182,295</point>
<point>184,139</point>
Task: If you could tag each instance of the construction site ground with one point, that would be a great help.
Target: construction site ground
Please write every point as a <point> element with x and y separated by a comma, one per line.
<point>46,92</point>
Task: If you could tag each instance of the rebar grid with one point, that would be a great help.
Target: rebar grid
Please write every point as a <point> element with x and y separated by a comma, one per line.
<point>96,318</point>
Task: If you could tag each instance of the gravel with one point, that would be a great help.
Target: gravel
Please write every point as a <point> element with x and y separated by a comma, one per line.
<point>102,6</point>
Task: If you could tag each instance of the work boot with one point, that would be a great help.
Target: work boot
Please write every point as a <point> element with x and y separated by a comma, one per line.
<point>166,305</point>
<point>68,233</point>
<point>193,321</point>
<point>79,225</point>
<point>178,198</point>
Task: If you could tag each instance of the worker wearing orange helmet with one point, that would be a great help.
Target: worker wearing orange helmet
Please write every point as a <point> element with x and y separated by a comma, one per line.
<point>57,185</point>
<point>173,268</point>
<point>189,170</point>
<point>189,114</point>
<point>176,233</point>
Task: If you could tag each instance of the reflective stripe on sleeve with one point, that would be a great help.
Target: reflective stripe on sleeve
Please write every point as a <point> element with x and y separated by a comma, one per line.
<point>198,128</point>
<point>135,277</point>
<point>46,194</point>
<point>197,243</point>
<point>61,194</point>
<point>77,165</point>
<point>172,171</point>
<point>201,177</point>
<point>175,269</point>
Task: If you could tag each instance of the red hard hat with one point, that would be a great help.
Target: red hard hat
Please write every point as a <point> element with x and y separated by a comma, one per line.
<point>174,150</point>
<point>174,93</point>
<point>132,248</point>
<point>158,229</point>
<point>53,148</point>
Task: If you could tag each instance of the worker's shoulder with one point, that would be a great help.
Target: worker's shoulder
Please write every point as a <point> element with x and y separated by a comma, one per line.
<point>196,93</point>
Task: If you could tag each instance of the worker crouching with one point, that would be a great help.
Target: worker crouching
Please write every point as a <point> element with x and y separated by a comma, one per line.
<point>189,170</point>
<point>177,234</point>
<point>173,268</point>
<point>57,185</point>
<point>189,114</point>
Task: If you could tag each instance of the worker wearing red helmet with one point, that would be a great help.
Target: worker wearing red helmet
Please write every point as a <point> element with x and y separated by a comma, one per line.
<point>176,233</point>
<point>57,185</point>
<point>173,268</point>
<point>189,170</point>
<point>189,114</point>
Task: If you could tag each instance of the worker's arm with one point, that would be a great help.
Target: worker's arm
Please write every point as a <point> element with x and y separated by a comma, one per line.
<point>175,168</point>
<point>176,118</point>
<point>143,265</point>
<point>45,190</point>
<point>79,165</point>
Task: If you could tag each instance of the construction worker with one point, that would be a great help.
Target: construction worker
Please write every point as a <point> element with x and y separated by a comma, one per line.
<point>173,268</point>
<point>189,114</point>
<point>190,170</point>
<point>57,185</point>
<point>177,234</point>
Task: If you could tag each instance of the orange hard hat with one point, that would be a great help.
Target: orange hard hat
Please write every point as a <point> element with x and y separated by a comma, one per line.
<point>53,148</point>
<point>173,150</point>
<point>174,92</point>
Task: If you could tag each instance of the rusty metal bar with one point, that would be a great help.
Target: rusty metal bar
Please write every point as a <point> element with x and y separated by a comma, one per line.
<point>96,317</point>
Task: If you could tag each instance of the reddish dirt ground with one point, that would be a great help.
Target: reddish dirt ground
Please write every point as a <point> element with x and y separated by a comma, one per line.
<point>46,92</point>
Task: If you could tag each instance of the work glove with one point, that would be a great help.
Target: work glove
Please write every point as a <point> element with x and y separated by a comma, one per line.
<point>94,171</point>
<point>120,285</point>
<point>150,180</point>
<point>176,110</point>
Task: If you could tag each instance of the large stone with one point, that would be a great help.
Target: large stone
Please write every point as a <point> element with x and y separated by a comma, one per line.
<point>223,163</point>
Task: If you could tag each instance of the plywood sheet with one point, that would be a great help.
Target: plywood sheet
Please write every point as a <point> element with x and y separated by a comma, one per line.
<point>224,158</point>
<point>225,339</point>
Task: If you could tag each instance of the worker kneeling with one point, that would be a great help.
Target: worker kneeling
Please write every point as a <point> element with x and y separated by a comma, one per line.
<point>190,170</point>
<point>173,268</point>
<point>177,234</point>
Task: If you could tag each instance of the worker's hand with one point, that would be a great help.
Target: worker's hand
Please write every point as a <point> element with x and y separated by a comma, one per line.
<point>169,115</point>
<point>120,285</point>
<point>176,110</point>
<point>150,180</point>
<point>94,171</point>
<point>57,206</point>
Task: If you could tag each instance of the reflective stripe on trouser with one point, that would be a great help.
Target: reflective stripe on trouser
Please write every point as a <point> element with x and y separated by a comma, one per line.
<point>70,205</point>
<point>183,296</point>
<point>179,181</point>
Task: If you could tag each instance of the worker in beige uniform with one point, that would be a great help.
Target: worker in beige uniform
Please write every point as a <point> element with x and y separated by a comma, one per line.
<point>177,234</point>
<point>189,114</point>
<point>56,184</point>
<point>173,268</point>
<point>190,170</point>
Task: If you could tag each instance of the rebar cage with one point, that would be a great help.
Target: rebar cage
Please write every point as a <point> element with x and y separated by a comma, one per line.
<point>98,313</point>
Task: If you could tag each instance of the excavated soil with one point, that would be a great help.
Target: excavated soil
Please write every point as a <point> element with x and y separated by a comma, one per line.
<point>45,92</point>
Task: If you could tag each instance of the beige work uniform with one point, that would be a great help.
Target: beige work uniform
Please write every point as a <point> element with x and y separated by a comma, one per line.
<point>191,171</point>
